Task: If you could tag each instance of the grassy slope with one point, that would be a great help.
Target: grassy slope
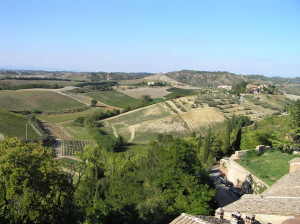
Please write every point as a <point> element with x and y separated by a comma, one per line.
<point>269,167</point>
<point>114,98</point>
<point>46,101</point>
<point>142,115</point>
<point>140,120</point>
<point>56,118</point>
<point>12,124</point>
<point>274,102</point>
<point>78,132</point>
<point>291,89</point>
<point>175,92</point>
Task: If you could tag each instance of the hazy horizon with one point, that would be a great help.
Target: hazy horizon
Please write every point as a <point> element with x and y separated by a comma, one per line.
<point>242,37</point>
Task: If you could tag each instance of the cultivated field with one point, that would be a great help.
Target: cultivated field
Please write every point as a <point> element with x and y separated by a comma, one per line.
<point>182,116</point>
<point>170,117</point>
<point>202,117</point>
<point>77,132</point>
<point>48,82</point>
<point>12,124</point>
<point>114,98</point>
<point>69,147</point>
<point>64,117</point>
<point>152,119</point>
<point>46,101</point>
<point>154,92</point>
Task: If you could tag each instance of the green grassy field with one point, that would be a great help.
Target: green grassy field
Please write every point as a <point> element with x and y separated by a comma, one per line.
<point>179,92</point>
<point>48,82</point>
<point>78,132</point>
<point>12,124</point>
<point>46,101</point>
<point>57,118</point>
<point>269,167</point>
<point>114,98</point>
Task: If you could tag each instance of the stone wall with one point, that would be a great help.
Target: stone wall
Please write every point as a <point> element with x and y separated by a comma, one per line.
<point>240,177</point>
<point>294,164</point>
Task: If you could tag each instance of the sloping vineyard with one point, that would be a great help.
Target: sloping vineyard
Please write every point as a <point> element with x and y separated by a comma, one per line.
<point>69,147</point>
<point>202,117</point>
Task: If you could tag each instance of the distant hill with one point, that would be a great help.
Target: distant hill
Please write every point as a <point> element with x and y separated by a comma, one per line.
<point>274,79</point>
<point>205,78</point>
<point>213,79</point>
<point>189,77</point>
<point>83,76</point>
<point>161,77</point>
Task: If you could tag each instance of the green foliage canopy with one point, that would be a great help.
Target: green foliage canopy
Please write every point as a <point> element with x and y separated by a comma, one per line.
<point>32,187</point>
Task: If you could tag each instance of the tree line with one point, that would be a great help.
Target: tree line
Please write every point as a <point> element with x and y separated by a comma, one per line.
<point>6,86</point>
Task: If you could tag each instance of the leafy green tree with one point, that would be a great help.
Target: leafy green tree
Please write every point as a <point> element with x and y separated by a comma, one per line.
<point>93,102</point>
<point>236,143</point>
<point>32,187</point>
<point>206,147</point>
<point>145,99</point>
<point>217,145</point>
<point>240,87</point>
<point>88,194</point>
<point>294,123</point>
<point>226,148</point>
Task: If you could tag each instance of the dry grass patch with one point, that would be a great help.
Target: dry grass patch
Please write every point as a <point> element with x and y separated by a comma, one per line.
<point>154,92</point>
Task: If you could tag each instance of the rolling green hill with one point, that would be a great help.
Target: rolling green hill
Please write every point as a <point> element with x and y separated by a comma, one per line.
<point>46,101</point>
<point>114,98</point>
<point>12,124</point>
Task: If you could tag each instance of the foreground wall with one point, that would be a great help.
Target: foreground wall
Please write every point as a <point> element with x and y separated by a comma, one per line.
<point>240,177</point>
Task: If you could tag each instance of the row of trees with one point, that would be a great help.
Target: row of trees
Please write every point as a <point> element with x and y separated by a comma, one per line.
<point>6,86</point>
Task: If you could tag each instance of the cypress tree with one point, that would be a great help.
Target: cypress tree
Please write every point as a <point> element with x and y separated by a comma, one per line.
<point>226,147</point>
<point>206,147</point>
<point>237,138</point>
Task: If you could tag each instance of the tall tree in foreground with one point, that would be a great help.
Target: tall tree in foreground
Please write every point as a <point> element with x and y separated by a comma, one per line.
<point>226,148</point>
<point>32,187</point>
<point>294,112</point>
<point>236,143</point>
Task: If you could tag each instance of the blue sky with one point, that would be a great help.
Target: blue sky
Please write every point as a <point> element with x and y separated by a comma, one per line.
<point>244,37</point>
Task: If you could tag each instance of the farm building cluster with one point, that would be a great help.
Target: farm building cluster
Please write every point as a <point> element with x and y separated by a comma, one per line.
<point>227,87</point>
